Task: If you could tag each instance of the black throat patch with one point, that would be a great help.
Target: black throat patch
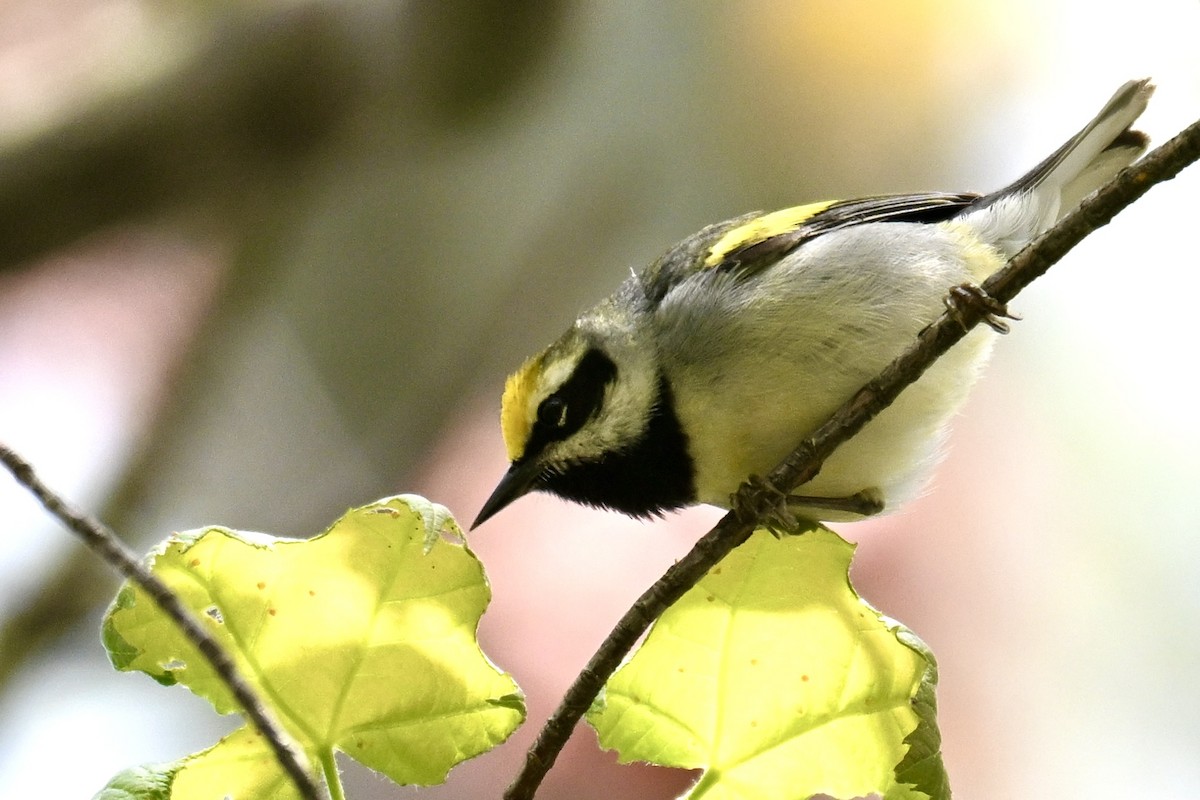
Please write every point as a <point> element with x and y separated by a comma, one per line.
<point>654,475</point>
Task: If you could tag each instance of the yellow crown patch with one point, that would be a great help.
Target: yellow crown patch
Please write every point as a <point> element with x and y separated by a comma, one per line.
<point>762,228</point>
<point>516,418</point>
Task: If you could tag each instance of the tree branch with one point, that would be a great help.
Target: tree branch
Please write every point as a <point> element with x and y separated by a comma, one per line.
<point>104,543</point>
<point>803,464</point>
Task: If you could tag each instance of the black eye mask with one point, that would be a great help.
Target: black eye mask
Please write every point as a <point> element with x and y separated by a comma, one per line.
<point>563,413</point>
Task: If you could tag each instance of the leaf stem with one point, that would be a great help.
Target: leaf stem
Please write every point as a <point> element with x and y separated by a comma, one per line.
<point>333,780</point>
<point>102,541</point>
<point>803,464</point>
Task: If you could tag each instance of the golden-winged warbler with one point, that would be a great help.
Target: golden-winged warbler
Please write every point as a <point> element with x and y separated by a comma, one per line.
<point>714,362</point>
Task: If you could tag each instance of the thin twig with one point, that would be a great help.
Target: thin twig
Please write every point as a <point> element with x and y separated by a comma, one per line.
<point>803,464</point>
<point>104,543</point>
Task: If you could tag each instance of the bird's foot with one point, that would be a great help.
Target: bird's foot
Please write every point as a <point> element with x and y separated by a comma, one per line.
<point>760,502</point>
<point>968,295</point>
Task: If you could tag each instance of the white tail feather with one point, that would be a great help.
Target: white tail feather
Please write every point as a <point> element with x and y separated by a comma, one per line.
<point>1013,216</point>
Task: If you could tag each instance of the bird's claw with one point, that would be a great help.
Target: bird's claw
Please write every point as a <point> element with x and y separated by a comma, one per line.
<point>991,310</point>
<point>760,502</point>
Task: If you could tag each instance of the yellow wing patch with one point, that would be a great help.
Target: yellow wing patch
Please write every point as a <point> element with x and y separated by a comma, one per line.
<point>516,417</point>
<point>762,228</point>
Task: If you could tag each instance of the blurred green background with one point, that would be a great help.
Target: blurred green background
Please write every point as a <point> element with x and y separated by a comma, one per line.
<point>264,261</point>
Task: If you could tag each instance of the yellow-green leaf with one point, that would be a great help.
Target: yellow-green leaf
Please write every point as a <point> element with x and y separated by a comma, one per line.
<point>361,639</point>
<point>240,765</point>
<point>774,677</point>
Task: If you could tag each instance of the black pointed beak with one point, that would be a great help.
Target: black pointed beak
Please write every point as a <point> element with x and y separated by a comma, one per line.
<point>517,481</point>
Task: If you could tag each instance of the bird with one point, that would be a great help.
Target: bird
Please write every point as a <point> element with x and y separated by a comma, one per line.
<point>705,369</point>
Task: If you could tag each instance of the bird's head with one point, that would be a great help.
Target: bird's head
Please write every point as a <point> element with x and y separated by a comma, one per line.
<point>589,419</point>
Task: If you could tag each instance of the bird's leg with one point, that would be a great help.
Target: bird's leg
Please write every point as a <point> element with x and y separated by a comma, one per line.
<point>968,295</point>
<point>760,502</point>
<point>866,503</point>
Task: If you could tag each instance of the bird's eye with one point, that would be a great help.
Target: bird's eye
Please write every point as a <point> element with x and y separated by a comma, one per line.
<point>553,411</point>
<point>576,401</point>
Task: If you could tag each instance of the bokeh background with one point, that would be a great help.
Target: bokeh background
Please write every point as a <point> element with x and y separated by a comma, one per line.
<point>264,261</point>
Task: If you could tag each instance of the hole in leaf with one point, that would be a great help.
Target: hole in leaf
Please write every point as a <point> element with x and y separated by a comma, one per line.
<point>215,614</point>
<point>173,664</point>
<point>391,512</point>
